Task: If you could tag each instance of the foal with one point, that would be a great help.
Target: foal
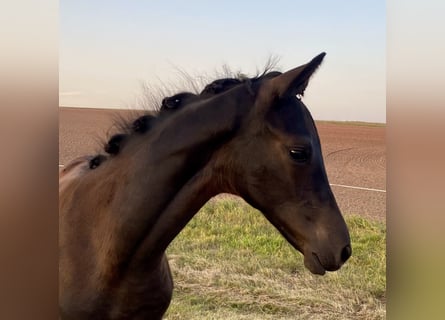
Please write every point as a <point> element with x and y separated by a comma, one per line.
<point>255,139</point>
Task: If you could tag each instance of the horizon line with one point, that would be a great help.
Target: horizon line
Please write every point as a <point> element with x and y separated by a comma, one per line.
<point>142,109</point>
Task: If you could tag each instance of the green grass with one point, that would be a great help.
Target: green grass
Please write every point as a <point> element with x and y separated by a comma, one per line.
<point>230,263</point>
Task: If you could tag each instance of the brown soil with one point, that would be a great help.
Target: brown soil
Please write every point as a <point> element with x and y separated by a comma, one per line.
<point>354,153</point>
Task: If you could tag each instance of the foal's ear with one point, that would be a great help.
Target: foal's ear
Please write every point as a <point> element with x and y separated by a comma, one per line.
<point>295,81</point>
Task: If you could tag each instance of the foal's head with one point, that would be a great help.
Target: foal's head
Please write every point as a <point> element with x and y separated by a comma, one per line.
<point>275,163</point>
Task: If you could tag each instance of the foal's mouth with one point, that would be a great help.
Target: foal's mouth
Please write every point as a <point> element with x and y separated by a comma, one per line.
<point>311,260</point>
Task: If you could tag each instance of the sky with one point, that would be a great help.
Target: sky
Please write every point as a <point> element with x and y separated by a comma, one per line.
<point>108,48</point>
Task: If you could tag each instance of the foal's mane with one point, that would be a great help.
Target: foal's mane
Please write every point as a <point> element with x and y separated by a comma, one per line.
<point>159,105</point>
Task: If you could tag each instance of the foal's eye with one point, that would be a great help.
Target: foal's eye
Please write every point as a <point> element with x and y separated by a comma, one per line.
<point>299,155</point>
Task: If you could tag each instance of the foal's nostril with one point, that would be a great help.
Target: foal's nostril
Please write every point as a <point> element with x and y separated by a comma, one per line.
<point>346,253</point>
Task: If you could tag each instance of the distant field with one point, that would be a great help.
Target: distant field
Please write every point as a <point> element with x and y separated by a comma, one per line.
<point>354,123</point>
<point>230,263</point>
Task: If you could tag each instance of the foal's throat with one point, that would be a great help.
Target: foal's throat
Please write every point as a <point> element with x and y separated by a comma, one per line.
<point>180,210</point>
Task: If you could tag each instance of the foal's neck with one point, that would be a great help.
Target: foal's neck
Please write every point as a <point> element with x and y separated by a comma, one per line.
<point>181,180</point>
<point>186,203</point>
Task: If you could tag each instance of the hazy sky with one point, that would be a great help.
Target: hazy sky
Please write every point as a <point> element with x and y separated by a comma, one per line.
<point>108,47</point>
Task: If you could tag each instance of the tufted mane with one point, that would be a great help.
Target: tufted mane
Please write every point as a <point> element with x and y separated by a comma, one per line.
<point>171,104</point>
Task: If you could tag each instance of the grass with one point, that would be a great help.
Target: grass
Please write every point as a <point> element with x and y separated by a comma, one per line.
<point>230,263</point>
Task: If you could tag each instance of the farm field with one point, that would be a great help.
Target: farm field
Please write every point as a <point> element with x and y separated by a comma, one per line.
<point>230,263</point>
